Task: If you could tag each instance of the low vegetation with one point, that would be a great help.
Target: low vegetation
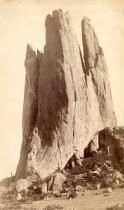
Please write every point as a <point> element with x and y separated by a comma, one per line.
<point>116,207</point>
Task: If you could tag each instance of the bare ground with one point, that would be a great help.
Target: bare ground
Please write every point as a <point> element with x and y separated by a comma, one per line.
<point>95,200</point>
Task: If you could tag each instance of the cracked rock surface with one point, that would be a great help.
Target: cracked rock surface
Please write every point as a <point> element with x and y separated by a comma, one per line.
<point>67,98</point>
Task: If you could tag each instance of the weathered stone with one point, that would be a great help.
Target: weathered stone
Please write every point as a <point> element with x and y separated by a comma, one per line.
<point>114,139</point>
<point>21,185</point>
<point>79,188</point>
<point>57,182</point>
<point>66,100</point>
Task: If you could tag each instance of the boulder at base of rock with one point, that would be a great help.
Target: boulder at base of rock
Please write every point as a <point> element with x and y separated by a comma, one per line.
<point>114,139</point>
<point>21,185</point>
<point>59,179</point>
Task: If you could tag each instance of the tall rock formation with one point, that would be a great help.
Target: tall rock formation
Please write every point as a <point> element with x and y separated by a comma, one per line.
<point>67,100</point>
<point>30,107</point>
<point>96,70</point>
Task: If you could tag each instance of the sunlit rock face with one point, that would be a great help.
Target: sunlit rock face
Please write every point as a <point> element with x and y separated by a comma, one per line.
<point>97,72</point>
<point>67,98</point>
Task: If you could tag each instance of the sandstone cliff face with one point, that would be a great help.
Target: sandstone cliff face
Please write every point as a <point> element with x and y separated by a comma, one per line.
<point>67,100</point>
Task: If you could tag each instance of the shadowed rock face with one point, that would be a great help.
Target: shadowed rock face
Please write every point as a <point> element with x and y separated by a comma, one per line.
<point>66,100</point>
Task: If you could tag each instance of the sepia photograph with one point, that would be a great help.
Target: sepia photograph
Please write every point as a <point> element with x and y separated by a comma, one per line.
<point>62,105</point>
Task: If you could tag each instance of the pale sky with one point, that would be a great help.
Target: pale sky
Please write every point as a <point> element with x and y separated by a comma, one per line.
<point>22,22</point>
